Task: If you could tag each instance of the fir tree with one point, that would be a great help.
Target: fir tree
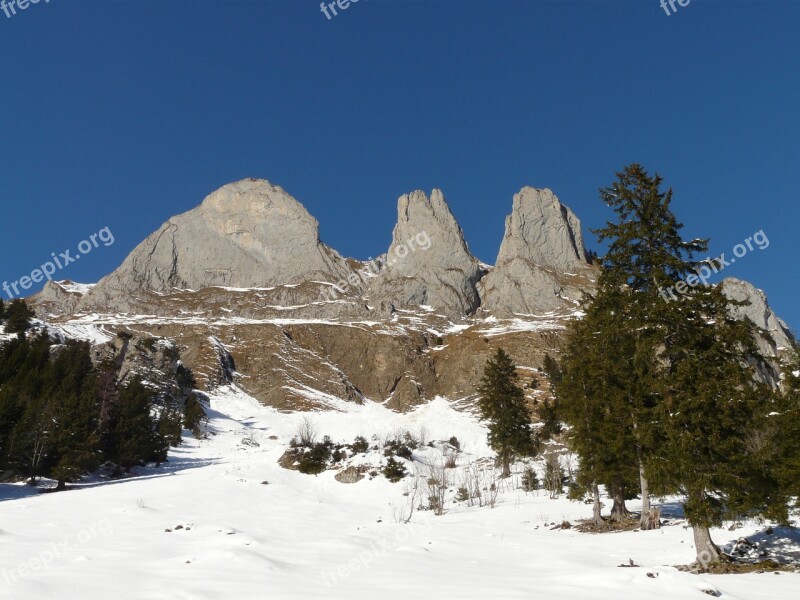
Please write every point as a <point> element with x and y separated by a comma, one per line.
<point>133,437</point>
<point>75,440</point>
<point>502,403</point>
<point>18,316</point>
<point>194,415</point>
<point>691,396</point>
<point>784,429</point>
<point>592,390</point>
<point>549,412</point>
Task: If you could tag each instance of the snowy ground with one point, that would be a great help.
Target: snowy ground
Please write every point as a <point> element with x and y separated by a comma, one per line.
<point>301,536</point>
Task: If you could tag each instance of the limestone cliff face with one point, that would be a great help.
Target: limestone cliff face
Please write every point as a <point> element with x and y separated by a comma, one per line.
<point>428,262</point>
<point>542,264</point>
<point>245,289</point>
<point>246,234</point>
<point>776,334</point>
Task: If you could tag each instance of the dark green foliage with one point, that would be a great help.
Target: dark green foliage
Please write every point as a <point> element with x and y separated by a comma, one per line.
<point>691,395</point>
<point>394,470</point>
<point>360,445</point>
<point>398,448</point>
<point>2,309</point>
<point>74,441</point>
<point>410,441</point>
<point>134,437</point>
<point>315,458</point>
<point>665,389</point>
<point>530,482</point>
<point>194,415</point>
<point>549,412</point>
<point>61,416</point>
<point>18,316</point>
<point>780,435</point>
<point>185,377</point>
<point>462,494</point>
<point>169,426</point>
<point>148,343</point>
<point>502,403</point>
<point>49,414</point>
<point>551,421</point>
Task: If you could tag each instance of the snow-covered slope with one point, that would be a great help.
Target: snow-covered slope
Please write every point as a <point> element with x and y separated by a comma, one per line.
<point>235,536</point>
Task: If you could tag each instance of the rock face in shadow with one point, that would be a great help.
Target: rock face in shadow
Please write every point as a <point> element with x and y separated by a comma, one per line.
<point>428,262</point>
<point>542,264</point>
<point>247,234</point>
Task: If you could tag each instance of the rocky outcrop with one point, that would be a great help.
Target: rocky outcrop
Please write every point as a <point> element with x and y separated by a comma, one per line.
<point>349,475</point>
<point>776,335</point>
<point>428,262</point>
<point>542,231</point>
<point>59,297</point>
<point>247,234</point>
<point>542,264</point>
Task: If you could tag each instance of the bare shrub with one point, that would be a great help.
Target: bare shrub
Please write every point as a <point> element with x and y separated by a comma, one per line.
<point>480,484</point>
<point>403,514</point>
<point>553,475</point>
<point>436,486</point>
<point>307,433</point>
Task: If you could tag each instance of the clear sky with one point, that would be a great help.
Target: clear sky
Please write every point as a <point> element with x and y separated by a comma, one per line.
<point>121,114</point>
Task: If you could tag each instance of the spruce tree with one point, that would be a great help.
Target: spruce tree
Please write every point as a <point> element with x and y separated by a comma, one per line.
<point>646,254</point>
<point>18,316</point>
<point>592,388</point>
<point>692,395</point>
<point>783,431</point>
<point>502,403</point>
<point>549,413</point>
<point>133,435</point>
<point>75,438</point>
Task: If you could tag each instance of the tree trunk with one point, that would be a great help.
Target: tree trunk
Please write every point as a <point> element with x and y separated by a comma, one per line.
<point>506,460</point>
<point>619,511</point>
<point>651,517</point>
<point>62,485</point>
<point>707,551</point>
<point>597,518</point>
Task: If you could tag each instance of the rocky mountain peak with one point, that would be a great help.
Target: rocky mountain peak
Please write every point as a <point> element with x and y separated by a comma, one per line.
<point>543,231</point>
<point>542,263</point>
<point>428,262</point>
<point>246,234</point>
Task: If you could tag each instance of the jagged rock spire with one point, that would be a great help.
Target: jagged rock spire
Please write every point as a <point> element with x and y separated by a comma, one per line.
<point>428,262</point>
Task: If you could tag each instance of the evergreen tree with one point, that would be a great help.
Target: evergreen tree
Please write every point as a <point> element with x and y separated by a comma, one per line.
<point>75,439</point>
<point>18,316</point>
<point>2,309</point>
<point>783,432</point>
<point>646,254</point>
<point>691,396</point>
<point>133,437</point>
<point>194,415</point>
<point>502,403</point>
<point>592,388</point>
<point>549,412</point>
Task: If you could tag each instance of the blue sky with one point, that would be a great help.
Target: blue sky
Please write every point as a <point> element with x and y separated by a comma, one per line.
<point>120,114</point>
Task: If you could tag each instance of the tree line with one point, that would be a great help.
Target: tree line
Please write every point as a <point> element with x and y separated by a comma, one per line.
<point>62,416</point>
